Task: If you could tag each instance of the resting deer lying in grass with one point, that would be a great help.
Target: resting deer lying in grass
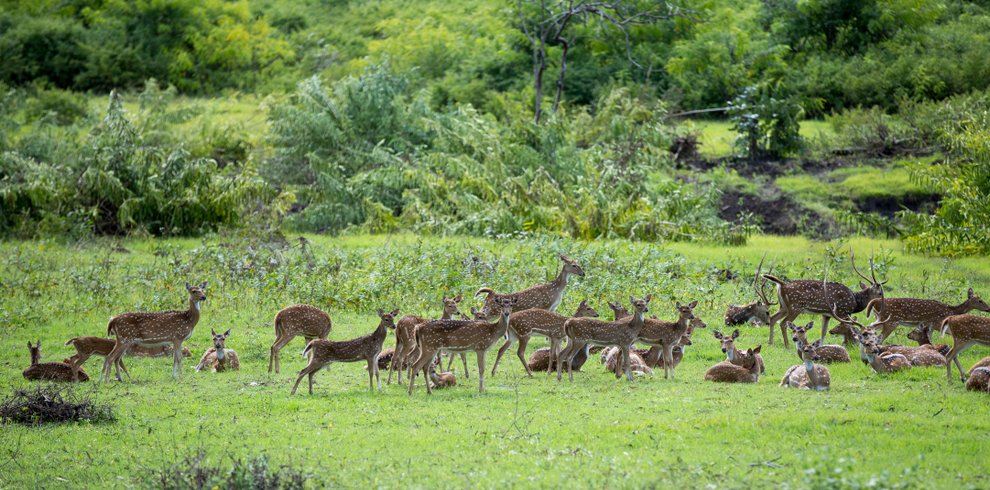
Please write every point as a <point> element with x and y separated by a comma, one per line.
<point>758,310</point>
<point>966,331</point>
<point>827,353</point>
<point>622,333</point>
<point>87,346</point>
<point>637,364</point>
<point>923,336</point>
<point>744,368</point>
<point>155,329</point>
<point>219,357</point>
<point>845,330</point>
<point>883,362</point>
<point>51,371</point>
<point>540,360</point>
<point>979,380</point>
<point>535,321</point>
<point>308,321</point>
<point>323,352</point>
<point>460,336</point>
<point>920,312</point>
<point>733,354</point>
<point>544,296</point>
<point>808,376</point>
<point>405,344</point>
<point>667,334</point>
<point>813,296</point>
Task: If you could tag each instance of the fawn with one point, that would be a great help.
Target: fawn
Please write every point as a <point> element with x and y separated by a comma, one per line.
<point>923,336</point>
<point>308,321</point>
<point>219,357</point>
<point>808,376</point>
<point>535,321</point>
<point>51,371</point>
<point>545,296</point>
<point>883,362</point>
<point>621,333</point>
<point>667,334</point>
<point>405,343</point>
<point>733,354</point>
<point>827,353</point>
<point>87,346</point>
<point>745,367</point>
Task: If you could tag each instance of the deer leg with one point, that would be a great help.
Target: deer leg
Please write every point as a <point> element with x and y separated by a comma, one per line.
<point>560,359</point>
<point>276,348</point>
<point>372,364</point>
<point>554,354</point>
<point>781,313</point>
<point>450,362</point>
<point>176,360</point>
<point>481,371</point>
<point>501,350</point>
<point>302,373</point>
<point>521,353</point>
<point>417,365</point>
<point>783,329</point>
<point>396,359</point>
<point>273,353</point>
<point>570,360</point>
<point>463,361</point>
<point>953,356</point>
<point>825,319</point>
<point>77,362</point>
<point>120,365</point>
<point>118,350</point>
<point>887,330</point>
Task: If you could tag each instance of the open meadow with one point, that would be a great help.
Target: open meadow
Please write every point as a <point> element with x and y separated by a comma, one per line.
<point>903,430</point>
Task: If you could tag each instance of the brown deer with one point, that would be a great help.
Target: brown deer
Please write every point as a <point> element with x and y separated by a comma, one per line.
<point>813,296</point>
<point>155,329</point>
<point>922,334</point>
<point>667,334</point>
<point>979,380</point>
<point>827,353</point>
<point>808,376</point>
<point>535,321</point>
<point>918,312</point>
<point>545,296</point>
<point>162,350</point>
<point>308,321</point>
<point>442,380</point>
<point>655,353</point>
<point>87,346</point>
<point>732,353</point>
<point>882,362</point>
<point>618,311</point>
<point>637,364</point>
<point>845,330</point>
<point>322,352</point>
<point>460,336</point>
<point>985,362</point>
<point>922,356</point>
<point>758,310</point>
<point>744,368</point>
<point>966,331</point>
<point>51,371</point>
<point>540,360</point>
<point>385,358</point>
<point>219,357</point>
<point>621,333</point>
<point>405,343</point>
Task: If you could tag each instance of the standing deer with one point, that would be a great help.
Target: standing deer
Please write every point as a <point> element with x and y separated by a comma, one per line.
<point>813,296</point>
<point>618,311</point>
<point>51,371</point>
<point>546,296</point>
<point>322,352</point>
<point>219,357</point>
<point>827,353</point>
<point>758,310</point>
<point>460,336</point>
<point>308,321</point>
<point>87,346</point>
<point>732,354</point>
<point>744,368</point>
<point>966,331</point>
<point>155,329</point>
<point>535,321</point>
<point>621,333</point>
<point>920,312</point>
<point>405,344</point>
<point>808,376</point>
<point>667,334</point>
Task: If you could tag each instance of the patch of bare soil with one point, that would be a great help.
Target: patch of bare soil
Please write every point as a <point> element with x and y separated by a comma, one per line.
<point>777,214</point>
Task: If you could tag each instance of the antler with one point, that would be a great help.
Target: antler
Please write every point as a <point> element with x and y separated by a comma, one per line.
<point>835,314</point>
<point>759,288</point>
<point>852,258</point>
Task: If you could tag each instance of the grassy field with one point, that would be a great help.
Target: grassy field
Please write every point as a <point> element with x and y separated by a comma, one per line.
<point>905,430</point>
<point>717,137</point>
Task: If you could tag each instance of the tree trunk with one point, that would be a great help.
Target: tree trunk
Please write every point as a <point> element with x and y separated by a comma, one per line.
<point>539,66</point>
<point>563,69</point>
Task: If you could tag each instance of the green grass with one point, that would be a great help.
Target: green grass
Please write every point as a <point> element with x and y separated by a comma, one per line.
<point>908,429</point>
<point>846,185</point>
<point>717,137</point>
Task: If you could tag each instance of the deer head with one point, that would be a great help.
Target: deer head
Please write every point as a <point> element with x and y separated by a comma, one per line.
<point>196,294</point>
<point>921,334</point>
<point>220,340</point>
<point>975,302</point>
<point>684,312</point>
<point>571,266</point>
<point>585,310</point>
<point>388,319</point>
<point>641,306</point>
<point>450,305</point>
<point>35,352</point>
<point>809,352</point>
<point>618,311</point>
<point>800,332</point>
<point>505,304</point>
<point>727,342</point>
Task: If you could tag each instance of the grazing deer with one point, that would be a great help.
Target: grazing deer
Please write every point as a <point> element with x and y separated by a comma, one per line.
<point>545,296</point>
<point>827,353</point>
<point>308,321</point>
<point>322,352</point>
<point>744,368</point>
<point>966,331</point>
<point>813,296</point>
<point>51,371</point>
<point>621,333</point>
<point>882,362</point>
<point>87,346</point>
<point>405,344</point>
<point>460,336</point>
<point>733,354</point>
<point>808,376</point>
<point>667,334</point>
<point>758,310</point>
<point>918,312</point>
<point>155,329</point>
<point>219,357</point>
<point>535,321</point>
<point>979,380</point>
<point>923,336</point>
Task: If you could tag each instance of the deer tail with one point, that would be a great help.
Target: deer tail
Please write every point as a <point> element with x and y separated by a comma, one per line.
<point>308,348</point>
<point>488,291</point>
<point>71,341</point>
<point>110,328</point>
<point>774,279</point>
<point>945,325</point>
<point>278,326</point>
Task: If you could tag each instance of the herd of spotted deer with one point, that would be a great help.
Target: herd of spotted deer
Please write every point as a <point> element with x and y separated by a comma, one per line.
<point>531,312</point>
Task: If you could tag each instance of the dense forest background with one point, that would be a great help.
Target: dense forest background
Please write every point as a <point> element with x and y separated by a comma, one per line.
<point>493,117</point>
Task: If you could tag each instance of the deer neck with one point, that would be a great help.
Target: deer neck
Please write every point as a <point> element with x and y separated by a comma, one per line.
<point>809,367</point>
<point>221,355</point>
<point>964,307</point>
<point>445,315</point>
<point>732,354</point>
<point>194,309</point>
<point>862,298</point>
<point>501,325</point>
<point>35,357</point>
<point>638,318</point>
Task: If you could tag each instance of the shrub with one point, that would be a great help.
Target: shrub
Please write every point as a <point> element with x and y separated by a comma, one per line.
<point>194,472</point>
<point>767,120</point>
<point>48,404</point>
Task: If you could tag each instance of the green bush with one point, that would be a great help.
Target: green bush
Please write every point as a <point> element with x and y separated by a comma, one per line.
<point>767,120</point>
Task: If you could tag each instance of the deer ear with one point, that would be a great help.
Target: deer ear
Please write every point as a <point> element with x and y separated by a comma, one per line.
<point>188,286</point>
<point>202,286</point>
<point>693,305</point>
<point>380,313</point>
<point>649,297</point>
<point>458,298</point>
<point>677,304</point>
<point>971,293</point>
<point>29,344</point>
<point>863,285</point>
<point>809,325</point>
<point>227,333</point>
<point>717,334</point>
<point>818,343</point>
<point>735,333</point>
<point>395,313</point>
<point>757,349</point>
<point>791,326</point>
<point>213,333</point>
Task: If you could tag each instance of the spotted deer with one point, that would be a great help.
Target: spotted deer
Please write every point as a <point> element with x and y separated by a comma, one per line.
<point>535,321</point>
<point>51,371</point>
<point>979,380</point>
<point>916,312</point>
<point>808,376</point>
<point>827,353</point>
<point>405,344</point>
<point>87,346</point>
<point>461,336</point>
<point>545,296</point>
<point>813,296</point>
<point>618,310</point>
<point>744,368</point>
<point>922,334</point>
<point>667,334</point>
<point>621,333</point>
<point>732,353</point>
<point>882,362</point>
<point>758,310</point>
<point>322,352</point>
<point>845,330</point>
<point>540,360</point>
<point>308,321</point>
<point>967,331</point>
<point>160,351</point>
<point>219,358</point>
<point>654,356</point>
<point>636,362</point>
<point>155,329</point>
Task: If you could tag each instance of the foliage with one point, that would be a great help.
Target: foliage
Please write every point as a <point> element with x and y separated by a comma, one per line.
<point>194,472</point>
<point>767,121</point>
<point>52,404</point>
